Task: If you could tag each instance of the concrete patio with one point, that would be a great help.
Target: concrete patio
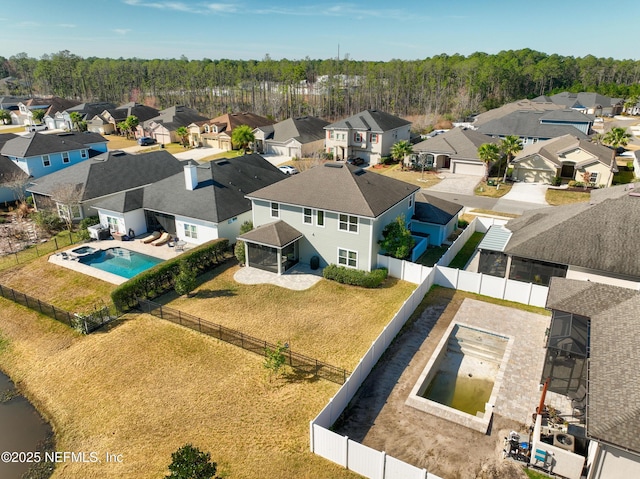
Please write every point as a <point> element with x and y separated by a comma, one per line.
<point>298,278</point>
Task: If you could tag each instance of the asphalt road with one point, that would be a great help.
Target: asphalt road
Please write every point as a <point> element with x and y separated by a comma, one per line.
<point>494,204</point>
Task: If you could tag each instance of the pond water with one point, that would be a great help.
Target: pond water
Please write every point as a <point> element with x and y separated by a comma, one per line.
<point>21,429</point>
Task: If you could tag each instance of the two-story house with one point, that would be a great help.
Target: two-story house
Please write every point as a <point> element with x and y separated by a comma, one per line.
<point>330,214</point>
<point>294,137</point>
<point>369,135</point>
<point>164,126</point>
<point>39,154</point>
<point>216,132</point>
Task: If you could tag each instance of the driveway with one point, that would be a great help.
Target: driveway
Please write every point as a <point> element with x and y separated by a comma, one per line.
<point>527,193</point>
<point>276,160</point>
<point>454,183</point>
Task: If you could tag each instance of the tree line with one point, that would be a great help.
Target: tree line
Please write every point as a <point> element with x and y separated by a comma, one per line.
<point>453,85</point>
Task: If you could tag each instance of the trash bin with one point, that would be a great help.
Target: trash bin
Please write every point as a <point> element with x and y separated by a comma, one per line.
<point>314,263</point>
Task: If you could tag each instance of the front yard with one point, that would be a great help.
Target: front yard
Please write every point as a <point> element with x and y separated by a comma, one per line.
<point>418,178</point>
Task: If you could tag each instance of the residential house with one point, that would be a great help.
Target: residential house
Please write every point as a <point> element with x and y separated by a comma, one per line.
<point>86,111</point>
<point>106,122</point>
<point>521,105</point>
<point>532,126</point>
<point>40,154</point>
<point>51,105</point>
<point>216,132</point>
<point>434,217</point>
<point>333,213</point>
<point>76,189</point>
<point>586,102</point>
<point>294,137</point>
<point>566,157</point>
<point>369,135</point>
<point>199,204</point>
<point>593,346</point>
<point>456,150</point>
<point>163,127</point>
<point>585,241</point>
<point>11,175</point>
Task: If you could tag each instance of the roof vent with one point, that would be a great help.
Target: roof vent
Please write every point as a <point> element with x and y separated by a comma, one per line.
<point>66,133</point>
<point>333,165</point>
<point>358,172</point>
<point>222,162</point>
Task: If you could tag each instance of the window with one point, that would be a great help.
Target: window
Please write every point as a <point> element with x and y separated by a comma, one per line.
<point>347,258</point>
<point>190,231</point>
<point>83,154</point>
<point>330,134</point>
<point>275,210</point>
<point>65,157</point>
<point>358,137</point>
<point>320,218</point>
<point>593,177</point>
<point>410,201</point>
<point>232,220</point>
<point>374,138</point>
<point>45,160</point>
<point>69,212</point>
<point>307,216</point>
<point>348,223</point>
<point>113,224</point>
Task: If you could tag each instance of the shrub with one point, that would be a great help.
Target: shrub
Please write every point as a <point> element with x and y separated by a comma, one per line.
<point>355,277</point>
<point>48,221</point>
<point>238,249</point>
<point>396,239</point>
<point>629,165</point>
<point>556,181</point>
<point>83,232</point>
<point>185,282</point>
<point>463,224</point>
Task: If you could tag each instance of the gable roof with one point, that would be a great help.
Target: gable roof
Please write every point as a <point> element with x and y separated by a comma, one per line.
<point>569,116</point>
<point>457,143</point>
<point>110,173</point>
<point>221,190</point>
<point>305,129</point>
<point>593,236</point>
<point>527,124</point>
<point>230,121</point>
<point>369,120</point>
<point>613,413</point>
<point>431,209</point>
<point>141,112</point>
<point>278,234</point>
<point>583,100</point>
<point>176,116</point>
<point>541,104</point>
<point>555,147</point>
<point>89,110</point>
<point>8,169</point>
<point>339,187</point>
<point>36,143</point>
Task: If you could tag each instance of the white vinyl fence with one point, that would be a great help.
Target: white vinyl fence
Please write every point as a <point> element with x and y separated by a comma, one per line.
<point>362,459</point>
<point>478,224</point>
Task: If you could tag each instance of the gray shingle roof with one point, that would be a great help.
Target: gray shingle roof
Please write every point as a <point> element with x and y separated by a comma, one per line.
<point>369,120</point>
<point>457,143</point>
<point>583,99</point>
<point>613,412</point>
<point>89,110</point>
<point>594,236</point>
<point>8,169</point>
<point>306,129</point>
<point>339,187</point>
<point>110,173</point>
<point>36,144</point>
<point>222,186</point>
<point>277,234</point>
<point>537,104</point>
<point>572,116</point>
<point>431,209</point>
<point>123,202</point>
<point>553,148</point>
<point>141,112</point>
<point>176,116</point>
<point>527,124</point>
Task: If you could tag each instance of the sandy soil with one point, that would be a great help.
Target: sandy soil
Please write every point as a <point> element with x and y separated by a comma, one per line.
<point>379,418</point>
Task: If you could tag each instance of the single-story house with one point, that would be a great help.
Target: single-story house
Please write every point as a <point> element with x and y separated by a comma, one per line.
<point>456,150</point>
<point>335,214</point>
<point>587,102</point>
<point>216,132</point>
<point>435,218</point>
<point>294,137</point>
<point>196,205</point>
<point>163,127</point>
<point>568,158</point>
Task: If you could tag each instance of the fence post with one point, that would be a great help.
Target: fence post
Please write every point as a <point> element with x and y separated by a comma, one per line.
<point>317,368</point>
<point>40,306</point>
<point>242,340</point>
<point>55,240</point>
<point>199,325</point>
<point>220,331</point>
<point>161,315</point>
<point>180,318</point>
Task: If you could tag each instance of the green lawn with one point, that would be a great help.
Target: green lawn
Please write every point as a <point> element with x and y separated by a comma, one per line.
<point>432,255</point>
<point>465,254</point>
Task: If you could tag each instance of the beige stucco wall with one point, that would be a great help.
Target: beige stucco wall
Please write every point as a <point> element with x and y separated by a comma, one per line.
<point>604,173</point>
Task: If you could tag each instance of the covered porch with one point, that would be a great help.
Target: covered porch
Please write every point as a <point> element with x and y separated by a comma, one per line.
<point>272,247</point>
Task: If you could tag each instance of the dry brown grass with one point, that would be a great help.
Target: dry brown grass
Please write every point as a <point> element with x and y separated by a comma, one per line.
<point>56,285</point>
<point>490,191</point>
<point>147,387</point>
<point>117,142</point>
<point>563,197</point>
<point>426,180</point>
<point>331,322</point>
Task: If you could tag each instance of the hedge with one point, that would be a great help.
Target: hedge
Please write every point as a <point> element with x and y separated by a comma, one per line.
<point>161,278</point>
<point>355,277</point>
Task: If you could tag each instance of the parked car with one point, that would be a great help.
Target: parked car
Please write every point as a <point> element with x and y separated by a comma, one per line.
<point>146,140</point>
<point>356,161</point>
<point>288,170</point>
<point>36,127</point>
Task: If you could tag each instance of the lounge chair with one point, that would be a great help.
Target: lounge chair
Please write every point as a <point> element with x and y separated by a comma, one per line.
<point>152,237</point>
<point>164,238</point>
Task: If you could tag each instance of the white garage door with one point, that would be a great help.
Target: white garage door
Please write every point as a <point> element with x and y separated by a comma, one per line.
<point>279,150</point>
<point>533,176</point>
<point>467,168</point>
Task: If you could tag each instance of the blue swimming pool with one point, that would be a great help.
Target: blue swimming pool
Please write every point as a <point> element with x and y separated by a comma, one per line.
<point>120,261</point>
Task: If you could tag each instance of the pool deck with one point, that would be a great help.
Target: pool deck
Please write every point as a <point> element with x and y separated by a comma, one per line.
<point>162,252</point>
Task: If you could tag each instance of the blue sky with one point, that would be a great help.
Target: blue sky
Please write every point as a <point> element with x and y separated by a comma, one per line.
<point>365,30</point>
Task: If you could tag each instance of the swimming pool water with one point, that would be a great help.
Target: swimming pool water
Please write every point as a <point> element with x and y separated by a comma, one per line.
<point>120,261</point>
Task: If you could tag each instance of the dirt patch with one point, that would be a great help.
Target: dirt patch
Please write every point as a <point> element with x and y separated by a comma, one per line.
<point>379,418</point>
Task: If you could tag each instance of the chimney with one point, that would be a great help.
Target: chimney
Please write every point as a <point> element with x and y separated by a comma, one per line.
<point>191,176</point>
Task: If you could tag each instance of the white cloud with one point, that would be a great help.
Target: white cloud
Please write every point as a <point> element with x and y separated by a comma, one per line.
<point>66,25</point>
<point>122,31</point>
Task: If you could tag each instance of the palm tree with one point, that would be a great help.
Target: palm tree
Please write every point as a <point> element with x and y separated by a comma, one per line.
<point>132,123</point>
<point>242,136</point>
<point>183,133</point>
<point>598,138</point>
<point>617,137</point>
<point>488,153</point>
<point>76,119</point>
<point>5,117</point>
<point>401,149</point>
<point>509,146</point>
<point>37,116</point>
